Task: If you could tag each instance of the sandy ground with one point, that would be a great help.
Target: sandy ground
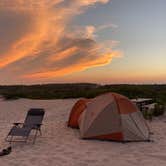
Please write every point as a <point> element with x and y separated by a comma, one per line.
<point>62,146</point>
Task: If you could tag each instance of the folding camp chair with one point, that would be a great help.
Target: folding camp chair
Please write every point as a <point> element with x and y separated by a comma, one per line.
<point>33,121</point>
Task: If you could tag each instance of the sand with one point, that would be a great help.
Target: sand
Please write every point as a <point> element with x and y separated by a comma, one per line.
<point>62,146</point>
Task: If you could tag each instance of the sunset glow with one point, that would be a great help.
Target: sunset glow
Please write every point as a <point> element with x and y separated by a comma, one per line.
<point>101,41</point>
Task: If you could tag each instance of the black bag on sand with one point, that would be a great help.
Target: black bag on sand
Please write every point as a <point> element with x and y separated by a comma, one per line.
<point>6,151</point>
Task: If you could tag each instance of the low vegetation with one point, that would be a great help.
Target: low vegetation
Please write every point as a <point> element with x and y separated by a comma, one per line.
<point>62,91</point>
<point>87,90</point>
<point>158,110</point>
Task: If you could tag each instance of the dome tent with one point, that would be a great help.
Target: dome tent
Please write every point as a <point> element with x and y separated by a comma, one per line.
<point>76,111</point>
<point>112,116</point>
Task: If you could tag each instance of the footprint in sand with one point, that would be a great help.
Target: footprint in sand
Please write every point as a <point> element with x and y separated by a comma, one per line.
<point>90,161</point>
<point>105,160</point>
<point>83,164</point>
<point>162,157</point>
<point>68,153</point>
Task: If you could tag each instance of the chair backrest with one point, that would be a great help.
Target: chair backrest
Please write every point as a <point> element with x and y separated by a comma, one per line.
<point>34,116</point>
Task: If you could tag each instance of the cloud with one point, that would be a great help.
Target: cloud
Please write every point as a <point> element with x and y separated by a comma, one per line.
<point>37,38</point>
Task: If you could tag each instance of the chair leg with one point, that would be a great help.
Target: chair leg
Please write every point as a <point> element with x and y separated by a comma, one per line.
<point>40,131</point>
<point>35,136</point>
<point>6,139</point>
<point>26,139</point>
<point>11,139</point>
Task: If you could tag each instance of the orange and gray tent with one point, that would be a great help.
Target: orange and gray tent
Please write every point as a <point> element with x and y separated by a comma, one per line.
<point>112,116</point>
<point>76,111</point>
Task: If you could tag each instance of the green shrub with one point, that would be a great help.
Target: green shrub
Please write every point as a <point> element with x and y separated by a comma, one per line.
<point>158,110</point>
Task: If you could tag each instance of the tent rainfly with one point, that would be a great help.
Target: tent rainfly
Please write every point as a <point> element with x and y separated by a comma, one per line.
<point>112,116</point>
<point>76,111</point>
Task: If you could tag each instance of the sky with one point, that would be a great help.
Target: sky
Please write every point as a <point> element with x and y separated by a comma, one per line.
<point>98,41</point>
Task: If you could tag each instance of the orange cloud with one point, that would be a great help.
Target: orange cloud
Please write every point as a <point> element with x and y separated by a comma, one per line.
<point>22,48</point>
<point>64,54</point>
<point>49,48</point>
<point>103,60</point>
<point>28,43</point>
